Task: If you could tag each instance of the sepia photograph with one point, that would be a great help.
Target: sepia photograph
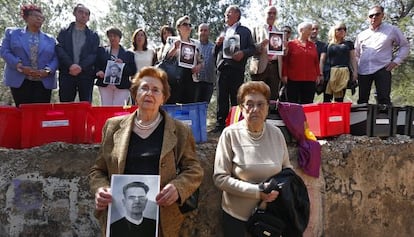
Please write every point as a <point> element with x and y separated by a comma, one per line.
<point>133,211</point>
<point>187,55</point>
<point>113,73</point>
<point>231,45</point>
<point>275,46</point>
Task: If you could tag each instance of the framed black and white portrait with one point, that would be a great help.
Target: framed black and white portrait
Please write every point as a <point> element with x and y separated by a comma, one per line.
<point>231,45</point>
<point>113,73</point>
<point>187,55</point>
<point>133,211</point>
<point>275,46</point>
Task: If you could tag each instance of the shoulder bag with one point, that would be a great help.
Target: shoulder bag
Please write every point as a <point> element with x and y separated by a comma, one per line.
<point>174,72</point>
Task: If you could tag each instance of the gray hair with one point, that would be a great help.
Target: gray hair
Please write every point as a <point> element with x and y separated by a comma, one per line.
<point>304,25</point>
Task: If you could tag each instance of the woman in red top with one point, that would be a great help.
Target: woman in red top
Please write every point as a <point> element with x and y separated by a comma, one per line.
<point>300,69</point>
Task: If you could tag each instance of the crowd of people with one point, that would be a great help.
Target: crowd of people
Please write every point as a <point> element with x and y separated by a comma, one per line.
<point>150,142</point>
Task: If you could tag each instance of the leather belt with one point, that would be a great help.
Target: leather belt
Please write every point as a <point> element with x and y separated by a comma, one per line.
<point>272,62</point>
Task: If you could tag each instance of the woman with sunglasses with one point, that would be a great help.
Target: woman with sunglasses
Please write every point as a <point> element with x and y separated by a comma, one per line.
<point>183,90</point>
<point>340,57</point>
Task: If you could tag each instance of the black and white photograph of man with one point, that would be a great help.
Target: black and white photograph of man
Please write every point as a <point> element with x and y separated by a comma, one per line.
<point>133,211</point>
<point>113,73</point>
<point>231,45</point>
<point>187,55</point>
<point>275,46</point>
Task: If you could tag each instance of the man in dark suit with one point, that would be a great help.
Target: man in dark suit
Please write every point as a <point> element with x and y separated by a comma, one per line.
<point>76,50</point>
<point>230,71</point>
<point>231,47</point>
<point>134,223</point>
<point>113,78</point>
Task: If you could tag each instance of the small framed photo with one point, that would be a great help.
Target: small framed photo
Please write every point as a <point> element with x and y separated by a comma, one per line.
<point>187,55</point>
<point>276,46</point>
<point>231,44</point>
<point>113,73</point>
<point>133,211</point>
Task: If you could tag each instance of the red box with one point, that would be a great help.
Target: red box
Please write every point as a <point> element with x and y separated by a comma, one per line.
<point>10,127</point>
<point>102,113</point>
<point>328,119</point>
<point>64,122</point>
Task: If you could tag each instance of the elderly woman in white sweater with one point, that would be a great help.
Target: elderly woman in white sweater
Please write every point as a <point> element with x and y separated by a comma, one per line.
<point>248,153</point>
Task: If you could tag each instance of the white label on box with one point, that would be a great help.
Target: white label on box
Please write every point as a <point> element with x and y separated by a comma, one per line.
<point>55,123</point>
<point>277,123</point>
<point>335,118</point>
<point>188,122</point>
<point>382,121</point>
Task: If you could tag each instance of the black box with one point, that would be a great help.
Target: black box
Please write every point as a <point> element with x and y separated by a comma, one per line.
<point>373,120</point>
<point>405,123</point>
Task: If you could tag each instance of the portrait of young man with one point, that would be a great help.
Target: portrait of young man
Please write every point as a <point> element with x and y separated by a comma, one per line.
<point>133,200</point>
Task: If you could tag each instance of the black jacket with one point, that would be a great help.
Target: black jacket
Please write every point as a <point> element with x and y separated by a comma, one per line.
<point>64,51</point>
<point>292,205</point>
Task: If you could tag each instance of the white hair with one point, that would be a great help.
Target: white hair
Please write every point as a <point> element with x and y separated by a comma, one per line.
<point>304,25</point>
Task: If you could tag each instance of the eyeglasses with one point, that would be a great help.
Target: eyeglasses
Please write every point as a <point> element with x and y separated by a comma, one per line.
<point>251,106</point>
<point>271,13</point>
<point>287,31</point>
<point>375,14</point>
<point>146,90</point>
<point>341,28</point>
<point>314,28</point>
<point>186,24</point>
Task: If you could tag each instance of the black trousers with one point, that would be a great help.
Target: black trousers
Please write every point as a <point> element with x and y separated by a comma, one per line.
<point>203,91</point>
<point>69,86</point>
<point>233,227</point>
<point>31,92</point>
<point>301,92</point>
<point>229,81</point>
<point>382,79</point>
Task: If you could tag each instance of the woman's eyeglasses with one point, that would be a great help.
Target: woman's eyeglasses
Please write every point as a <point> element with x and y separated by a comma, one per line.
<point>251,106</point>
<point>375,14</point>
<point>341,28</point>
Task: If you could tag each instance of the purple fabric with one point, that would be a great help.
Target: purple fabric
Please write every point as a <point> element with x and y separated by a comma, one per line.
<point>309,151</point>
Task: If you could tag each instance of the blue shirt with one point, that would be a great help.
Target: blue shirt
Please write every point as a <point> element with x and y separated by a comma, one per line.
<point>208,72</point>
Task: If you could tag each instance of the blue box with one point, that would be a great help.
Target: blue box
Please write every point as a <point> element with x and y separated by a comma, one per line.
<point>192,114</point>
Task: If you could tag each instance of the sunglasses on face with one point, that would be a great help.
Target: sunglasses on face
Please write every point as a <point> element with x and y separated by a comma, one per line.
<point>186,24</point>
<point>375,14</point>
<point>341,28</point>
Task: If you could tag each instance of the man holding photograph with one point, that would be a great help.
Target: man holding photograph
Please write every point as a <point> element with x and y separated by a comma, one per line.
<point>134,223</point>
<point>263,66</point>
<point>230,71</point>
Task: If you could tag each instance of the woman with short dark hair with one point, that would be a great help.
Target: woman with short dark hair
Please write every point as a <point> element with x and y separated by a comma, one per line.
<point>248,153</point>
<point>114,84</point>
<point>31,61</point>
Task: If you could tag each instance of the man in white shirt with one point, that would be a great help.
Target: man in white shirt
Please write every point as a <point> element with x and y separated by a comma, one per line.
<point>374,51</point>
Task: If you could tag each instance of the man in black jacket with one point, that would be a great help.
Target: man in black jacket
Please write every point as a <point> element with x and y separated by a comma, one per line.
<point>230,71</point>
<point>76,50</point>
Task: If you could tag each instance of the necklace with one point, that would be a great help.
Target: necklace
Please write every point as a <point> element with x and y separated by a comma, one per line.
<point>256,135</point>
<point>149,126</point>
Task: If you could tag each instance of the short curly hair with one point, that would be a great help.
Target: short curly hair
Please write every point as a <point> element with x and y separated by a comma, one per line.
<point>26,9</point>
<point>252,87</point>
<point>151,71</point>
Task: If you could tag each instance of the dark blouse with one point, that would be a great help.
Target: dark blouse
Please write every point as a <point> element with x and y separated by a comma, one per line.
<point>144,154</point>
<point>338,54</point>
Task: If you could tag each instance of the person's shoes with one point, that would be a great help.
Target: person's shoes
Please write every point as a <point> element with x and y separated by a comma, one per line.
<point>217,129</point>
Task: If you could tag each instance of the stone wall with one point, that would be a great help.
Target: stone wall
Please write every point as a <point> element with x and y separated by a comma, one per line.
<point>366,190</point>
